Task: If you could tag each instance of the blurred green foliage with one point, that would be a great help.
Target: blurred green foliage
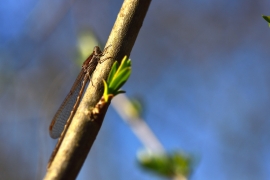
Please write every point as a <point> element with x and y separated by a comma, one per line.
<point>167,165</point>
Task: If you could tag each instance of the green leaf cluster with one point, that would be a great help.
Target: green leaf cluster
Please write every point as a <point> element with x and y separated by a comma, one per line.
<point>119,74</point>
<point>167,165</point>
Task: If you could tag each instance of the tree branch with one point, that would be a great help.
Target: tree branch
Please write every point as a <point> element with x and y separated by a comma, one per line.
<point>83,130</point>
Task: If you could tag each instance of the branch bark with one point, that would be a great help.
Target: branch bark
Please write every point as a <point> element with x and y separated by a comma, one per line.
<point>83,130</point>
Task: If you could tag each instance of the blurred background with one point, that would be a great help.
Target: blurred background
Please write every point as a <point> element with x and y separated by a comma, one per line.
<point>200,67</point>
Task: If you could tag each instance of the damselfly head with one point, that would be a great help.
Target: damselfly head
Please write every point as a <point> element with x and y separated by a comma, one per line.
<point>97,51</point>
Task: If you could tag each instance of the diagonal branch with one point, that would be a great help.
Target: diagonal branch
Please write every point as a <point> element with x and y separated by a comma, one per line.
<point>83,130</point>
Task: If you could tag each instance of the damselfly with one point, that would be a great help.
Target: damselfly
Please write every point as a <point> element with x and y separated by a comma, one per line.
<point>67,110</point>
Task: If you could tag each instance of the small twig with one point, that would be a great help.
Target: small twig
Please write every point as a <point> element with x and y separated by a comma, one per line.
<point>139,127</point>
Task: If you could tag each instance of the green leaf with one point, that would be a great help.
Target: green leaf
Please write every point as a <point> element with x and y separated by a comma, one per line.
<point>267,18</point>
<point>118,75</point>
<point>167,165</point>
<point>119,92</point>
<point>105,93</point>
<point>119,79</point>
<point>113,71</point>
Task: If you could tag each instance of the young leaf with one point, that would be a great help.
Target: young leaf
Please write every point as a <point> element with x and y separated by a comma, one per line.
<point>112,72</point>
<point>267,18</point>
<point>118,75</point>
